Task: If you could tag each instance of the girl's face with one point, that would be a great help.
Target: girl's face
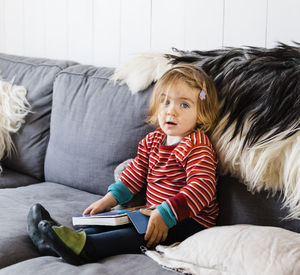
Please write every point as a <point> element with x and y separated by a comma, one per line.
<point>177,113</point>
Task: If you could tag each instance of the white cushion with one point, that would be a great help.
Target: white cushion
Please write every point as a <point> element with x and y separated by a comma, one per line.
<point>237,249</point>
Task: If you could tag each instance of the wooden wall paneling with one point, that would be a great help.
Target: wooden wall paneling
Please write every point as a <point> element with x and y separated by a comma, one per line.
<point>283,22</point>
<point>106,51</point>
<point>203,24</point>
<point>80,30</point>
<point>168,24</point>
<point>2,30</point>
<point>106,32</point>
<point>34,28</point>
<point>135,28</point>
<point>56,32</point>
<point>14,26</point>
<point>245,23</point>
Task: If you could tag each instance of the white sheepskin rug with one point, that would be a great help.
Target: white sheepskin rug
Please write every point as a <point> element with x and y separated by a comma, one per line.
<point>257,138</point>
<point>13,109</point>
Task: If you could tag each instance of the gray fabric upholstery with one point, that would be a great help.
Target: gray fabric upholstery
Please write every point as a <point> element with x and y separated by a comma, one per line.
<point>62,202</point>
<point>37,76</point>
<point>95,125</point>
<point>127,264</point>
<point>123,264</point>
<point>239,206</point>
<point>11,179</point>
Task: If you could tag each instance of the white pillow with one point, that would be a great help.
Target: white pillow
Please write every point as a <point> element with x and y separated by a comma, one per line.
<point>13,109</point>
<point>235,250</point>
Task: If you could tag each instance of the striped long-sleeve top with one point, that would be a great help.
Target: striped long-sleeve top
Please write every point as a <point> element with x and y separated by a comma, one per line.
<point>182,175</point>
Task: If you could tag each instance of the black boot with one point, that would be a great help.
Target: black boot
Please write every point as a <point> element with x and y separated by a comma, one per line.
<point>36,214</point>
<point>68,249</point>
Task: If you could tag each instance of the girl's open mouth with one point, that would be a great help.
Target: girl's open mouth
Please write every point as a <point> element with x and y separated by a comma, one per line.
<point>171,123</point>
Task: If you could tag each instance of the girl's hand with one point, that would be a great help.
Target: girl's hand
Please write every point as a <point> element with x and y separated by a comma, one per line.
<point>157,230</point>
<point>104,204</point>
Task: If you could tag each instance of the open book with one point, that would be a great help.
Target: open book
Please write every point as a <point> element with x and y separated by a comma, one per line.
<point>113,218</point>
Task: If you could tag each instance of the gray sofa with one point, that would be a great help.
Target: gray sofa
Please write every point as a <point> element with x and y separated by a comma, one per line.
<point>81,127</point>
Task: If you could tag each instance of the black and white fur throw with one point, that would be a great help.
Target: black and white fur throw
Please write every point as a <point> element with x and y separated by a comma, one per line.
<point>257,137</point>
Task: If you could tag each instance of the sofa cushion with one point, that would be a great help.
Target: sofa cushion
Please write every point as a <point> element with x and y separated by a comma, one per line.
<point>95,125</point>
<point>62,202</point>
<point>237,249</point>
<point>10,179</point>
<point>239,206</point>
<point>127,264</point>
<point>37,76</point>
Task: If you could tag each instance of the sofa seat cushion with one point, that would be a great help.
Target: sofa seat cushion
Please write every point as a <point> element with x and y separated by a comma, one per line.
<point>37,76</point>
<point>127,264</point>
<point>63,202</point>
<point>95,125</point>
<point>11,179</point>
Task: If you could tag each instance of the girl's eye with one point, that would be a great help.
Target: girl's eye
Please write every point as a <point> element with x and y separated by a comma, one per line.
<point>166,102</point>
<point>184,105</point>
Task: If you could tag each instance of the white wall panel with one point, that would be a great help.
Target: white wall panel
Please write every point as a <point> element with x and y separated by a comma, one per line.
<point>245,23</point>
<point>80,30</point>
<point>2,31</point>
<point>14,26</point>
<point>56,33</point>
<point>107,32</point>
<point>135,27</point>
<point>203,24</point>
<point>34,28</point>
<point>168,24</point>
<point>283,22</point>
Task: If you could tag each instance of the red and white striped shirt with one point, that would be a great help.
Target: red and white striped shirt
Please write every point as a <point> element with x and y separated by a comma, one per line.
<point>183,175</point>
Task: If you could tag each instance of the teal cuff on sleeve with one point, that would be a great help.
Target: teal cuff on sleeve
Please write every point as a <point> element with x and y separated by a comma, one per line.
<point>167,214</point>
<point>121,192</point>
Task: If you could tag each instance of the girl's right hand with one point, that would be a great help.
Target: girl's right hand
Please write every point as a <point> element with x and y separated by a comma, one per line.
<point>104,204</point>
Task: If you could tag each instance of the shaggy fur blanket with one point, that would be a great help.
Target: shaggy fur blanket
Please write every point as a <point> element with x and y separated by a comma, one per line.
<point>13,109</point>
<point>257,137</point>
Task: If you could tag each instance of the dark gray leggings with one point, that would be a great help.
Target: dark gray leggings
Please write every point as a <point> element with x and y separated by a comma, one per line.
<point>104,241</point>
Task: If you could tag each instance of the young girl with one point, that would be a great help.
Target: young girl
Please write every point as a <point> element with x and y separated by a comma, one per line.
<point>177,163</point>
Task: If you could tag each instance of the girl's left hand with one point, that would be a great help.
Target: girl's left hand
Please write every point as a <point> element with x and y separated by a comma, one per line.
<point>157,230</point>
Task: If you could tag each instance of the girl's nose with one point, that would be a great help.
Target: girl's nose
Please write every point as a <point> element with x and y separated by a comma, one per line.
<point>171,110</point>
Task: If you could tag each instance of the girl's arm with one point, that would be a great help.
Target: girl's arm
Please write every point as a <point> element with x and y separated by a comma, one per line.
<point>133,178</point>
<point>104,204</point>
<point>196,195</point>
<point>157,230</point>
<point>200,190</point>
<point>135,174</point>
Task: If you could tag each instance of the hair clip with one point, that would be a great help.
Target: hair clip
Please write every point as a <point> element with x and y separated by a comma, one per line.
<point>202,95</point>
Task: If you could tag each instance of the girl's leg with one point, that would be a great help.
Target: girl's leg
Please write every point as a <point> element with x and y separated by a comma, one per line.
<point>79,248</point>
<point>100,229</point>
<point>36,214</point>
<point>182,231</point>
<point>127,240</point>
<point>114,242</point>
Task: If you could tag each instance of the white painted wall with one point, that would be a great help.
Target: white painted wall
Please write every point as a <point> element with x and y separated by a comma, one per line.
<point>106,32</point>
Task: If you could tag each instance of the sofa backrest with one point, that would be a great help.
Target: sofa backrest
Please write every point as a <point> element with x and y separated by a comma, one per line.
<point>95,125</point>
<point>239,206</point>
<point>37,76</point>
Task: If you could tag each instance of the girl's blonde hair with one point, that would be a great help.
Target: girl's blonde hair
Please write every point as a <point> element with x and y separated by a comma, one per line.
<point>196,78</point>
